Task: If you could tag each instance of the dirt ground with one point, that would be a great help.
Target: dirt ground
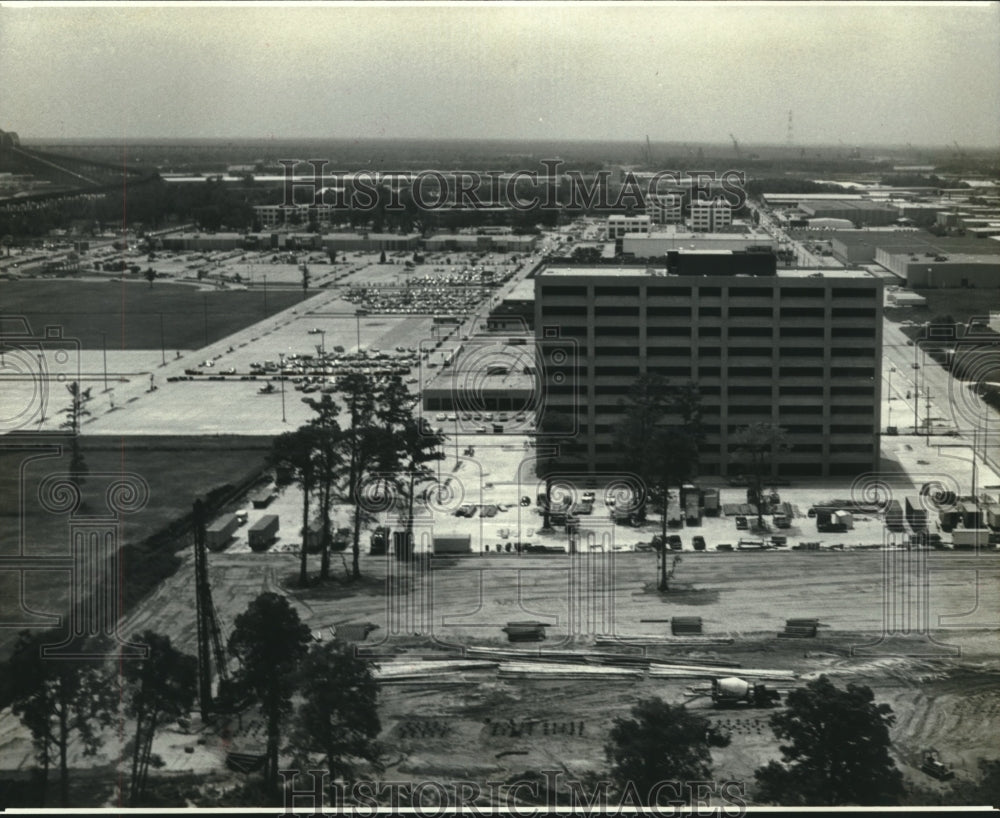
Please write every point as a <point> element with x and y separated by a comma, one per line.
<point>483,725</point>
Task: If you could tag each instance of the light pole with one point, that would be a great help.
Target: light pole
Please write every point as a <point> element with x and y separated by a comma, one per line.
<point>41,374</point>
<point>322,346</point>
<point>104,345</point>
<point>163,347</point>
<point>281,377</point>
<point>357,320</point>
<point>891,370</point>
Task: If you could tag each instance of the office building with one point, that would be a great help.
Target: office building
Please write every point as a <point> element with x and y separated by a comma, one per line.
<point>711,216</point>
<point>667,208</point>
<point>620,226</point>
<point>793,348</point>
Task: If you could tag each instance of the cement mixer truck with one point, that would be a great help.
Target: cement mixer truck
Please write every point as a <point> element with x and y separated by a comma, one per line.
<point>735,692</point>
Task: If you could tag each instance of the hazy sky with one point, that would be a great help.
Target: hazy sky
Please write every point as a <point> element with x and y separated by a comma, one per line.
<point>920,73</point>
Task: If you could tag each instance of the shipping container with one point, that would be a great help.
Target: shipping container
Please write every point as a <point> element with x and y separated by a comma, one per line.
<point>674,517</point>
<point>219,533</point>
<point>992,514</point>
<point>692,509</point>
<point>969,512</point>
<point>894,516</point>
<point>968,538</point>
<point>453,544</point>
<point>263,532</point>
<point>916,515</point>
<point>844,519</point>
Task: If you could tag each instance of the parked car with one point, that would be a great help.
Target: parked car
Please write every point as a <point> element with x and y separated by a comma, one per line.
<point>674,541</point>
<point>741,523</point>
<point>698,542</point>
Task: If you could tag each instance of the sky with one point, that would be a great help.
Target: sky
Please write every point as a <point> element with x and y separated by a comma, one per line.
<point>926,74</point>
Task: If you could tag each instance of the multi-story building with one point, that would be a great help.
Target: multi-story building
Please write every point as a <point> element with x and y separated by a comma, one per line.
<point>667,208</point>
<point>301,214</point>
<point>797,349</point>
<point>711,216</point>
<point>620,226</point>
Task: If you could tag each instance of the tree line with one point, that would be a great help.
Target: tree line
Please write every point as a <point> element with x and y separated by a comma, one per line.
<point>321,696</point>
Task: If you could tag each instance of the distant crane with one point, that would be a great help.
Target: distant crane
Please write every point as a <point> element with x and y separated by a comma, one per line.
<point>649,152</point>
<point>736,147</point>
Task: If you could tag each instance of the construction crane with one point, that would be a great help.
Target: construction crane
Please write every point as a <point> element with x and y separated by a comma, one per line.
<point>210,648</point>
<point>649,152</point>
<point>736,147</point>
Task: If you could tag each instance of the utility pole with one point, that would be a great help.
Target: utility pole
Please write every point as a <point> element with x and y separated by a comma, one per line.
<point>281,375</point>
<point>927,414</point>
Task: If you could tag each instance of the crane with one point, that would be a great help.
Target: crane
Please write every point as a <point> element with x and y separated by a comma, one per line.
<point>736,147</point>
<point>649,152</point>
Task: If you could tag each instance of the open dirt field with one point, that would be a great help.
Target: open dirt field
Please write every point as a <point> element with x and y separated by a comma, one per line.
<point>492,723</point>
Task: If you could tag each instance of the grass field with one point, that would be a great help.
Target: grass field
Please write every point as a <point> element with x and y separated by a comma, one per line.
<point>176,470</point>
<point>129,312</point>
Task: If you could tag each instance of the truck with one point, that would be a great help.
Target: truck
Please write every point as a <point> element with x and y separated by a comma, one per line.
<point>263,532</point>
<point>933,766</point>
<point>969,538</point>
<point>735,692</point>
<point>219,533</point>
<point>916,515</point>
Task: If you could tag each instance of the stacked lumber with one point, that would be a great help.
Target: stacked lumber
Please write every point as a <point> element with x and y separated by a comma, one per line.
<point>799,629</point>
<point>681,625</point>
<point>666,641</point>
<point>525,631</point>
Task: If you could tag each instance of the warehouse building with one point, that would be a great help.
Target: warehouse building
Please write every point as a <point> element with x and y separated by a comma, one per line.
<point>940,271</point>
<point>861,212</point>
<point>659,244</point>
<point>798,349</point>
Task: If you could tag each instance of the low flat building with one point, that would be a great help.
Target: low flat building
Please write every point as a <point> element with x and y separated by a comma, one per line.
<point>659,244</point>
<point>620,226</point>
<point>942,271</point>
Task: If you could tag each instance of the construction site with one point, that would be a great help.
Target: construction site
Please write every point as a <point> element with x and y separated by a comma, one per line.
<point>507,646</point>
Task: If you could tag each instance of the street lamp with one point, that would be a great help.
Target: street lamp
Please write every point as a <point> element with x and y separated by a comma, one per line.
<point>281,377</point>
<point>104,345</point>
<point>322,346</point>
<point>891,370</point>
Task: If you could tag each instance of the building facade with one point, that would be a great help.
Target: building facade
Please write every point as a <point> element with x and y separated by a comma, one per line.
<point>667,208</point>
<point>802,351</point>
<point>620,226</point>
<point>711,216</point>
